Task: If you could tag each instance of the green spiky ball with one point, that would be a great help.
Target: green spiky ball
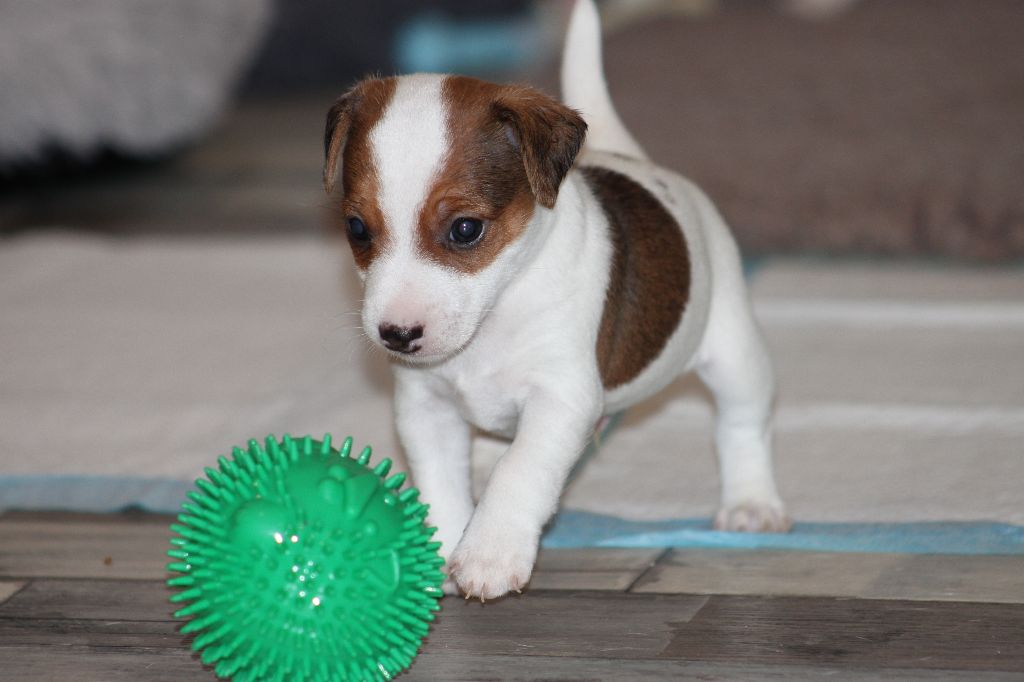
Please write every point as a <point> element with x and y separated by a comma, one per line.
<point>299,562</point>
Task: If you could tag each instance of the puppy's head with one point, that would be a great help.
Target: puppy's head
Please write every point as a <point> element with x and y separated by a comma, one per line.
<point>440,181</point>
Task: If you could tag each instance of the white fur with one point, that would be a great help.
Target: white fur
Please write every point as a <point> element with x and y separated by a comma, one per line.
<point>584,87</point>
<point>408,146</point>
<point>512,349</point>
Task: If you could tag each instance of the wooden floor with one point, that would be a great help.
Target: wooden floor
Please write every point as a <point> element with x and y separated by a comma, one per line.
<point>83,598</point>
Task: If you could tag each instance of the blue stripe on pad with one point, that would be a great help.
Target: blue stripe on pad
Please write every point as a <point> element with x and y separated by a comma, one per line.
<point>574,528</point>
<point>571,528</point>
<point>96,494</point>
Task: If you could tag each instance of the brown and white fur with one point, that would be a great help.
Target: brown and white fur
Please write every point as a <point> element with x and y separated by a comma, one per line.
<point>598,279</point>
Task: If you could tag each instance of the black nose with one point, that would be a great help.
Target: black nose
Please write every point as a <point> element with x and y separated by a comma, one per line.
<point>398,338</point>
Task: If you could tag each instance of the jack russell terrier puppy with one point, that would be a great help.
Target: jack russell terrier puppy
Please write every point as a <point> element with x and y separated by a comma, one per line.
<point>527,284</point>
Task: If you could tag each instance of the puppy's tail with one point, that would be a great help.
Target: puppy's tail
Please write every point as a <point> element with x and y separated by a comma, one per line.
<point>584,87</point>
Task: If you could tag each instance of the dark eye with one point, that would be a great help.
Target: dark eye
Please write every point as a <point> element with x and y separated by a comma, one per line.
<point>357,230</point>
<point>466,230</point>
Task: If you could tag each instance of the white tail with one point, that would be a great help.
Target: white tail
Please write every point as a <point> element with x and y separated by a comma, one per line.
<point>584,87</point>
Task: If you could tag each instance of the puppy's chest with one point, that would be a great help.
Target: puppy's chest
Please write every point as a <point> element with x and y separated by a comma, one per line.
<point>491,378</point>
<point>488,398</point>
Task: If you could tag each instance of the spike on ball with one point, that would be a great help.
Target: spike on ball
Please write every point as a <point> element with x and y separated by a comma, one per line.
<point>297,561</point>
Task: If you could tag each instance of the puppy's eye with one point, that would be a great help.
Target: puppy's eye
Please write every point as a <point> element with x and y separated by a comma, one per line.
<point>466,230</point>
<point>357,230</point>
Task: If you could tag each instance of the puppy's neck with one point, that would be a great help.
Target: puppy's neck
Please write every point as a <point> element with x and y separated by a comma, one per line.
<point>564,223</point>
<point>553,245</point>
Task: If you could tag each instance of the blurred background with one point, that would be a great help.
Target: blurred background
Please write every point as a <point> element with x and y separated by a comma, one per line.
<point>171,284</point>
<point>819,126</point>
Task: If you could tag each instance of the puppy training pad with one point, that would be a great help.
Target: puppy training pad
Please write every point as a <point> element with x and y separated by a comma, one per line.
<point>901,388</point>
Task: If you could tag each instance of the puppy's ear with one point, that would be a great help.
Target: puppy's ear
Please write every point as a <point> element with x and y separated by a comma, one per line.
<point>547,134</point>
<point>357,110</point>
<point>339,121</point>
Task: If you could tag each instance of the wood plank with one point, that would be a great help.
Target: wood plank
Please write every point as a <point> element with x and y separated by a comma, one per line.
<point>92,632</point>
<point>592,568</point>
<point>8,588</point>
<point>703,571</point>
<point>484,668</point>
<point>68,545</point>
<point>116,600</point>
<point>585,624</point>
<point>598,558</point>
<point>591,634</point>
<point>90,664</point>
<point>538,622</point>
<point>943,577</point>
<point>137,664</point>
<point>870,576</point>
<point>615,581</point>
<point>54,516</point>
<point>851,632</point>
<point>134,549</point>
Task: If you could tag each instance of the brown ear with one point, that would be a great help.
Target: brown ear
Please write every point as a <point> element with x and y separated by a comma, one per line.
<point>339,121</point>
<point>356,110</point>
<point>547,134</point>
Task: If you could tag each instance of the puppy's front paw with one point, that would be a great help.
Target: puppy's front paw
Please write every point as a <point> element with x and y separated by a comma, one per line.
<point>449,586</point>
<point>753,517</point>
<point>488,567</point>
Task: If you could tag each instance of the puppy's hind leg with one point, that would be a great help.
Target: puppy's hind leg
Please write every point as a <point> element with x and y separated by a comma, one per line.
<point>735,365</point>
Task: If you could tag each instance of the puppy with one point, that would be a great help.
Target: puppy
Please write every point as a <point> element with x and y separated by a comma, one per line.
<point>527,284</point>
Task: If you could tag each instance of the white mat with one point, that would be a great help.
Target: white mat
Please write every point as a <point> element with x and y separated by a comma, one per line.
<point>902,387</point>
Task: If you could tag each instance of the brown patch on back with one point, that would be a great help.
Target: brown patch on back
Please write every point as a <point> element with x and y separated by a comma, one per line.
<point>509,148</point>
<point>649,281</point>
<point>346,139</point>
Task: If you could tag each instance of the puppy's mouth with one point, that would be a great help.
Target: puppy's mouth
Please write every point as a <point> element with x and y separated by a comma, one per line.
<point>401,347</point>
<point>418,359</point>
<point>415,354</point>
<point>414,344</point>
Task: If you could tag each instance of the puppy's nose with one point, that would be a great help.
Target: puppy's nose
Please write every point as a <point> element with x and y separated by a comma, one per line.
<point>399,338</point>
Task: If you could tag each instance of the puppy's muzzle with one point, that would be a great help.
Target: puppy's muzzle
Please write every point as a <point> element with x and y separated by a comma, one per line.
<point>399,339</point>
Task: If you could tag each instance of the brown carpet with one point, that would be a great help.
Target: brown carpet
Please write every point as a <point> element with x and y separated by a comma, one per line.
<point>897,128</point>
